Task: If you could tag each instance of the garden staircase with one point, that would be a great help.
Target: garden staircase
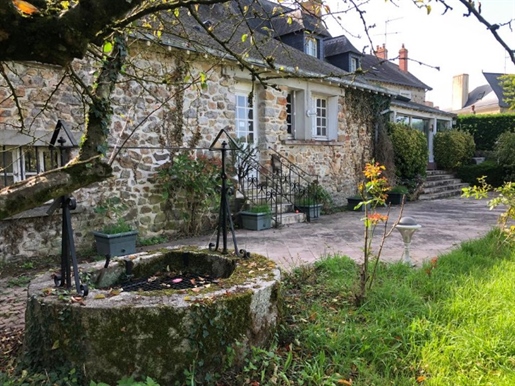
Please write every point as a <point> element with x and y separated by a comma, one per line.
<point>441,184</point>
<point>278,183</point>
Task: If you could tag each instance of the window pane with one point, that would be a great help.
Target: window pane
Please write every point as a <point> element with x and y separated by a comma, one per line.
<point>244,118</point>
<point>50,159</point>
<point>30,160</point>
<point>289,112</point>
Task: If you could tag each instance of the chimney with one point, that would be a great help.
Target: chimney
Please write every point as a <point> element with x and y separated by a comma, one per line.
<point>314,7</point>
<point>382,52</point>
<point>403,59</point>
<point>460,91</point>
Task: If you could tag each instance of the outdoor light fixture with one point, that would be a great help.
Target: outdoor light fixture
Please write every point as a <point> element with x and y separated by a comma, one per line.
<point>407,226</point>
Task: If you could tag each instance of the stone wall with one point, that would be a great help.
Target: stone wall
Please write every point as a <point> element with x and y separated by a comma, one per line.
<point>152,121</point>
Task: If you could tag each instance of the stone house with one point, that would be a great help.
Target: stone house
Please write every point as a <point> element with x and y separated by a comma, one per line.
<point>485,99</point>
<point>182,91</point>
<point>408,104</point>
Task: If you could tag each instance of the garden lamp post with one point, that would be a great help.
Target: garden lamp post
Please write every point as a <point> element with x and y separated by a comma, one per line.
<point>407,226</point>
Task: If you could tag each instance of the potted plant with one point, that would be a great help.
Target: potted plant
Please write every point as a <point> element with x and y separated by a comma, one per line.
<point>257,217</point>
<point>310,206</point>
<point>396,194</point>
<point>312,199</point>
<point>353,202</point>
<point>118,238</point>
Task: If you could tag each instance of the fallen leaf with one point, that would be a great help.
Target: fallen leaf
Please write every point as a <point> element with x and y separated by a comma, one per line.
<point>114,292</point>
<point>196,289</point>
<point>177,280</point>
<point>421,378</point>
<point>25,7</point>
<point>345,382</point>
<point>99,296</point>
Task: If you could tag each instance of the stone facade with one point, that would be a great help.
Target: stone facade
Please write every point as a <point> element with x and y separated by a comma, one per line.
<point>152,121</point>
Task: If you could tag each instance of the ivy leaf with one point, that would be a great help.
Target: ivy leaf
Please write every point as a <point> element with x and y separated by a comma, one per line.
<point>107,48</point>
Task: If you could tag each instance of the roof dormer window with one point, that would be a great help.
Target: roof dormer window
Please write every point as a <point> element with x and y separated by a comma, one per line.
<point>311,46</point>
<point>354,63</point>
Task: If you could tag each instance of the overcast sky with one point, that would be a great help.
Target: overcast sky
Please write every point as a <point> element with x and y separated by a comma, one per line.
<point>452,42</point>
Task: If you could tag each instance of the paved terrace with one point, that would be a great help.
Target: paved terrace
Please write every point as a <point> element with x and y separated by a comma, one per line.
<point>445,224</point>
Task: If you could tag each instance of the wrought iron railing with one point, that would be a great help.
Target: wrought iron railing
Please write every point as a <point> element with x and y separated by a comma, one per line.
<point>278,183</point>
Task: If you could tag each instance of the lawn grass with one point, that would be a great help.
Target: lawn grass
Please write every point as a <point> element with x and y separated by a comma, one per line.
<point>451,322</point>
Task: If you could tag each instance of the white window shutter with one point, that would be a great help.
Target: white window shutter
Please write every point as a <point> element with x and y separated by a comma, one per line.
<point>332,119</point>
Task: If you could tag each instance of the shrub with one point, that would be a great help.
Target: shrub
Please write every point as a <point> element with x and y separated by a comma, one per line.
<point>410,152</point>
<point>492,170</point>
<point>453,149</point>
<point>505,154</point>
<point>486,128</point>
<point>191,189</point>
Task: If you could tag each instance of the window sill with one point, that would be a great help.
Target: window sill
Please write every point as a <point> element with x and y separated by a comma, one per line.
<point>40,211</point>
<point>311,142</point>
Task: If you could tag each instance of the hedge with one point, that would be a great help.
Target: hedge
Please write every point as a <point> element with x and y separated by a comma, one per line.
<point>492,170</point>
<point>486,128</point>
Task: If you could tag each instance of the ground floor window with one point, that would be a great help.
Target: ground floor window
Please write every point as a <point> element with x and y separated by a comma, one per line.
<point>18,163</point>
<point>245,127</point>
<point>320,116</point>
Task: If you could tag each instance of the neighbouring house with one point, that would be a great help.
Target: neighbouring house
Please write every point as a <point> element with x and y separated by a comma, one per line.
<point>409,103</point>
<point>306,109</point>
<point>485,99</point>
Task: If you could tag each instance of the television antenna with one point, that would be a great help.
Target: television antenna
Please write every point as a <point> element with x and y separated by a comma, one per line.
<point>386,33</point>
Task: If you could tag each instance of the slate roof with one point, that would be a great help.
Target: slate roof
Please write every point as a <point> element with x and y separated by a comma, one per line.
<point>338,45</point>
<point>481,93</point>
<point>420,107</point>
<point>380,70</point>
<point>228,25</point>
<point>296,21</point>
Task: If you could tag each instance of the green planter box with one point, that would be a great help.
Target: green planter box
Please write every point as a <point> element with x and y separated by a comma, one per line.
<point>256,221</point>
<point>118,244</point>
<point>394,198</point>
<point>352,202</point>
<point>312,211</point>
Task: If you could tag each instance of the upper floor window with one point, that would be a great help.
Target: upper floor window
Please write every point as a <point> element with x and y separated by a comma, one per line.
<point>245,127</point>
<point>311,46</point>
<point>19,163</point>
<point>354,64</point>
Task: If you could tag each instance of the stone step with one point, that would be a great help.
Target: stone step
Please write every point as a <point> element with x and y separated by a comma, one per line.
<point>440,177</point>
<point>291,218</point>
<point>435,172</point>
<point>443,188</point>
<point>449,181</point>
<point>441,184</point>
<point>444,194</point>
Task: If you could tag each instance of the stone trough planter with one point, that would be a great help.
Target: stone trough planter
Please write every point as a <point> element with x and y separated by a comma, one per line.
<point>161,333</point>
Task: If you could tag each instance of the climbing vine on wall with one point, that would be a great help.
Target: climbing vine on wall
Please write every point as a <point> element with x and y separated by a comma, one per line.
<point>364,110</point>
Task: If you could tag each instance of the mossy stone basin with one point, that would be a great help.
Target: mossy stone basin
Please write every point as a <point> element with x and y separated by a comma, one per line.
<point>159,334</point>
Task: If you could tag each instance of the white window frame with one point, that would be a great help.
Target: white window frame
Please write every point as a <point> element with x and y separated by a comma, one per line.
<point>320,117</point>
<point>245,126</point>
<point>291,99</point>
<point>18,162</point>
<point>354,64</point>
<point>324,119</point>
<point>311,46</point>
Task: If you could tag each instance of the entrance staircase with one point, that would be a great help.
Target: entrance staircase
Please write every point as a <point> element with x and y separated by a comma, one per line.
<point>278,183</point>
<point>441,184</point>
